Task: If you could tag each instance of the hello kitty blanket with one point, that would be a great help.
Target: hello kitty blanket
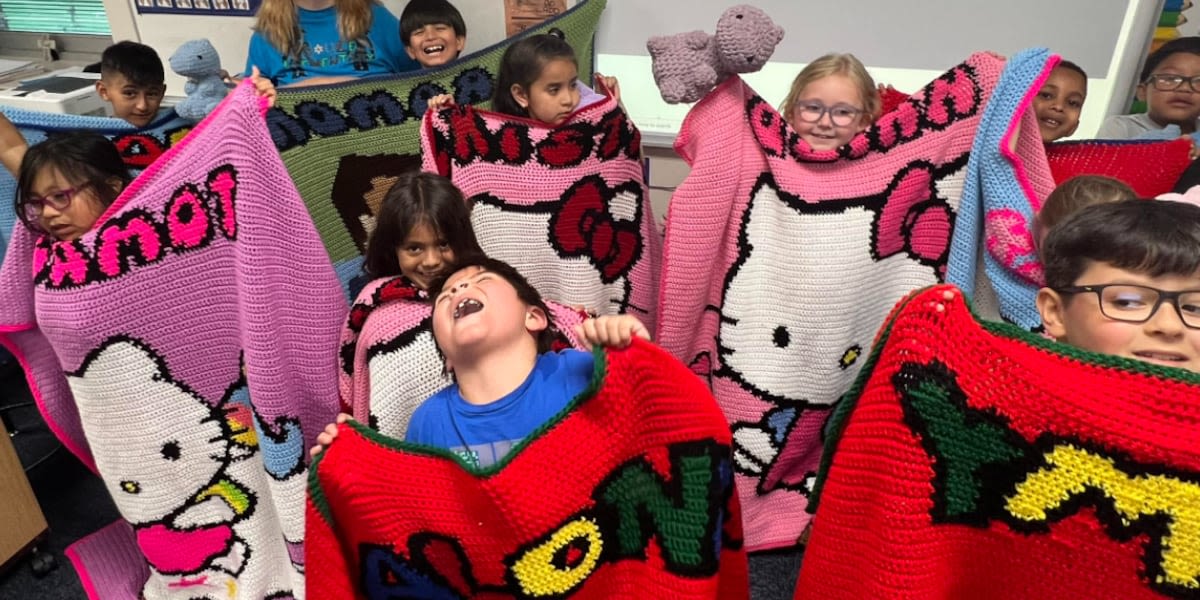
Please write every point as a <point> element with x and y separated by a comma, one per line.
<point>185,348</point>
<point>781,263</point>
<point>566,205</point>
<point>389,361</point>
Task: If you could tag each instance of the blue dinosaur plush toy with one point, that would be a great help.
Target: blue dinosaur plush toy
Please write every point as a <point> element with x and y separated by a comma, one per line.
<point>198,61</point>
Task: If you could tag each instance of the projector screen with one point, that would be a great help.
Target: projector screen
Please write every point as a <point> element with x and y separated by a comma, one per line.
<point>902,43</point>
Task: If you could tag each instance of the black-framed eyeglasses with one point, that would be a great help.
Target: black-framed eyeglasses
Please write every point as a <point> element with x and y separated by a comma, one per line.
<point>1167,83</point>
<point>840,114</point>
<point>60,200</point>
<point>1138,303</point>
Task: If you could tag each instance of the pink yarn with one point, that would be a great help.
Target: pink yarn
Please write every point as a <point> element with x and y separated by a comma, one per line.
<point>780,264</point>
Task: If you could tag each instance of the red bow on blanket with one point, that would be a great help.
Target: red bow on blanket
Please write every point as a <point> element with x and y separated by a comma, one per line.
<point>585,226</point>
<point>399,288</point>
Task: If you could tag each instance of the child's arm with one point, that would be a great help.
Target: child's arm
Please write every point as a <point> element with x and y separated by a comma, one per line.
<point>439,102</point>
<point>614,88</point>
<point>12,145</point>
<point>615,331</point>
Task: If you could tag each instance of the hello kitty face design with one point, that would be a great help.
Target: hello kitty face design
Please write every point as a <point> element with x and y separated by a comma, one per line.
<point>154,468</point>
<point>592,243</point>
<point>794,324</point>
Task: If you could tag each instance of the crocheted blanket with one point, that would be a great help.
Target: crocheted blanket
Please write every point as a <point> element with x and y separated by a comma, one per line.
<point>781,263</point>
<point>1149,167</point>
<point>182,349</point>
<point>963,467</point>
<point>344,145</point>
<point>139,147</point>
<point>566,205</point>
<point>1002,194</point>
<point>642,503</point>
<point>389,361</point>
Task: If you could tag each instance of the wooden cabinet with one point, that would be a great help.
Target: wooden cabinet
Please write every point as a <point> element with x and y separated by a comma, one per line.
<point>21,519</point>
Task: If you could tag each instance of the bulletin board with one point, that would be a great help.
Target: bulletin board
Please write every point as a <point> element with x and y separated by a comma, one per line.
<point>211,8</point>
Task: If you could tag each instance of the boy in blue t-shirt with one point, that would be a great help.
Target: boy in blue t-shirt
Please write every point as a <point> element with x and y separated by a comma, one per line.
<point>494,330</point>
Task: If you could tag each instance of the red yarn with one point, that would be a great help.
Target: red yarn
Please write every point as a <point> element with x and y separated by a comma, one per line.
<point>984,462</point>
<point>1149,167</point>
<point>627,495</point>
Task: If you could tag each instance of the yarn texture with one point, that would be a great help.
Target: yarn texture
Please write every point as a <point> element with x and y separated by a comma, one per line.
<point>1002,194</point>
<point>781,263</point>
<point>199,62</point>
<point>1149,167</point>
<point>344,145</point>
<point>626,494</point>
<point>566,205</point>
<point>390,363</point>
<point>138,147</point>
<point>976,460</point>
<point>183,348</point>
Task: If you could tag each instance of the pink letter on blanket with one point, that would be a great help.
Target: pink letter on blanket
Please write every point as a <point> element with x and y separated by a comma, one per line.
<point>223,183</point>
<point>187,220</point>
<point>113,237</point>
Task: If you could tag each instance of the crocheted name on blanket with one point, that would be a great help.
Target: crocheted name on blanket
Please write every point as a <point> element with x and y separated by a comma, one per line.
<point>344,145</point>
<point>994,480</point>
<point>805,253</point>
<point>194,323</point>
<point>642,500</point>
<point>566,205</point>
<point>390,363</point>
<point>139,147</point>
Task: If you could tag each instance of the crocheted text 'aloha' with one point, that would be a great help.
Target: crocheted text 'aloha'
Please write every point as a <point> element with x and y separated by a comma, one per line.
<point>781,263</point>
<point>566,205</point>
<point>981,461</point>
<point>184,348</point>
<point>627,494</point>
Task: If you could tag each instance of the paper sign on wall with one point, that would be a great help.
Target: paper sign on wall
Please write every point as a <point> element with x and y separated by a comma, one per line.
<point>520,15</point>
<point>225,8</point>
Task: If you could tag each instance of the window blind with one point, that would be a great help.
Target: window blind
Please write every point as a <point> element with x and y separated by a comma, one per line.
<point>54,16</point>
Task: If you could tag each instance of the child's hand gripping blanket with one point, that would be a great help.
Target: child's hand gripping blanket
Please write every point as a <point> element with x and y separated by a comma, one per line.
<point>344,145</point>
<point>781,263</point>
<point>975,460</point>
<point>627,494</point>
<point>139,147</point>
<point>389,361</point>
<point>566,205</point>
<point>185,349</point>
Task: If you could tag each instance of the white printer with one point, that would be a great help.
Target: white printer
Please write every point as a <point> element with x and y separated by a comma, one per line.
<point>69,91</point>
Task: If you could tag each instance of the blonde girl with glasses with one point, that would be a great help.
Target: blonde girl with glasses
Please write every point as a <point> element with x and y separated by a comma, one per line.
<point>832,100</point>
<point>1170,86</point>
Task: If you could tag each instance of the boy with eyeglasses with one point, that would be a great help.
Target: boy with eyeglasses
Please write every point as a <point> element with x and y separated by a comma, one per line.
<point>1170,86</point>
<point>1124,279</point>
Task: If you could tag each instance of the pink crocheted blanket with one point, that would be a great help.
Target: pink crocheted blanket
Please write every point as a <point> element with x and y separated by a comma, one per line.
<point>781,263</point>
<point>183,348</point>
<point>389,361</point>
<point>566,205</point>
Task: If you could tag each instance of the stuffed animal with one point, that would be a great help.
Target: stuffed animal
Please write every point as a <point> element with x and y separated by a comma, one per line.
<point>687,65</point>
<point>198,61</point>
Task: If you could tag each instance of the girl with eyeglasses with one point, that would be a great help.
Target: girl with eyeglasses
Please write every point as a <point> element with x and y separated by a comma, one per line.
<point>67,181</point>
<point>832,100</point>
<point>1170,86</point>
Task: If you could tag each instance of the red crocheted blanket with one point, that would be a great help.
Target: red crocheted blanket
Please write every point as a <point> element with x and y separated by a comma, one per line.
<point>1150,167</point>
<point>980,461</point>
<point>628,494</point>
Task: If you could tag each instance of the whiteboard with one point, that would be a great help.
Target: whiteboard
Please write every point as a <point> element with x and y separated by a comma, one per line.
<point>902,43</point>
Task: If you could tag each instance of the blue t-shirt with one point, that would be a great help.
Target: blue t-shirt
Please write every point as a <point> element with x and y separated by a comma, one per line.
<point>483,434</point>
<point>324,53</point>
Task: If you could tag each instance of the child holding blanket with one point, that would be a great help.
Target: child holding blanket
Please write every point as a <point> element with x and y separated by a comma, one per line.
<point>555,180</point>
<point>389,361</point>
<point>66,182</point>
<point>496,334</point>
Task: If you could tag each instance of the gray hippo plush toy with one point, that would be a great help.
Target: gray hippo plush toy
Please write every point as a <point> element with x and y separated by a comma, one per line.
<point>687,65</point>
